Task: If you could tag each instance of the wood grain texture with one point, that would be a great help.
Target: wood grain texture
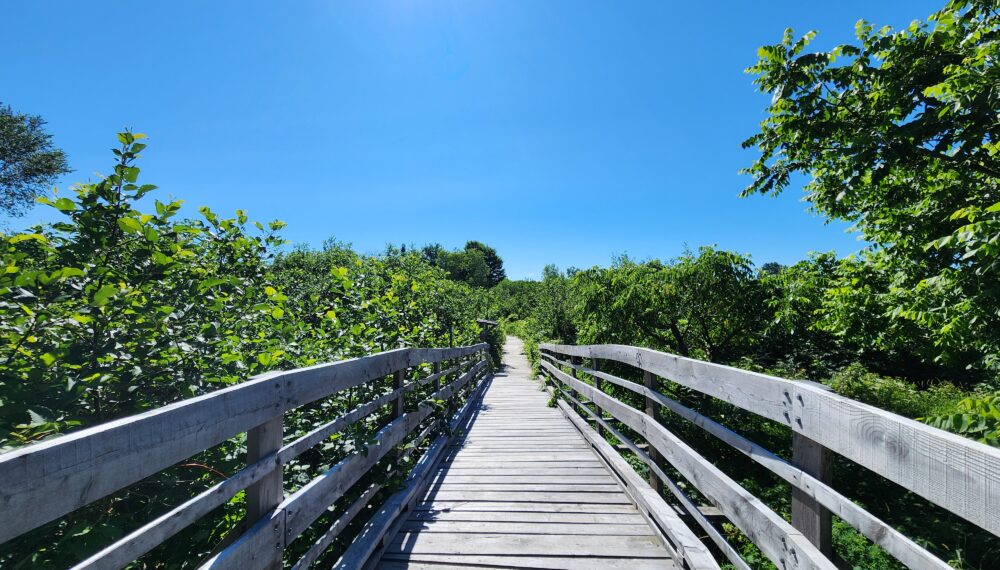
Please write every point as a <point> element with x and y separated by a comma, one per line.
<point>958,474</point>
<point>302,508</point>
<point>782,544</point>
<point>687,506</point>
<point>681,541</point>
<point>47,480</point>
<point>895,543</point>
<point>522,488</point>
<point>383,525</point>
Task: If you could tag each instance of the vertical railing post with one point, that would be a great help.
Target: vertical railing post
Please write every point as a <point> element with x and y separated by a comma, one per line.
<point>653,411</point>
<point>595,364</point>
<point>399,405</point>
<point>437,381</point>
<point>575,360</point>
<point>264,495</point>
<point>808,516</point>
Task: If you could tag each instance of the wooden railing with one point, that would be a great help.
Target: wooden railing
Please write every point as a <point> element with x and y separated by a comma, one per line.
<point>45,481</point>
<point>958,474</point>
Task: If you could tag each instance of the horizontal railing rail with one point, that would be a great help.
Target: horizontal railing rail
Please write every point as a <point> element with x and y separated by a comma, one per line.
<point>48,480</point>
<point>958,474</point>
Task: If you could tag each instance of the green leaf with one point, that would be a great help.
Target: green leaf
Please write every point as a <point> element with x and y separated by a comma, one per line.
<point>212,282</point>
<point>64,204</point>
<point>103,295</point>
<point>25,237</point>
<point>130,225</point>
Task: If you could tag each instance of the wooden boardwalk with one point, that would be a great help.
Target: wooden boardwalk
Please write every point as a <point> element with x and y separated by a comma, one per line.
<point>524,489</point>
<point>517,484</point>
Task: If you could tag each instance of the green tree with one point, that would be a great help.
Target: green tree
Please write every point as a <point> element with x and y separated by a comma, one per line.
<point>555,305</point>
<point>708,304</point>
<point>467,267</point>
<point>29,164</point>
<point>493,261</point>
<point>793,336</point>
<point>899,135</point>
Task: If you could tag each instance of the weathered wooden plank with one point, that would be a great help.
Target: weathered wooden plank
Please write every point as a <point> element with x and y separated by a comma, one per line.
<point>591,518</point>
<point>567,487</point>
<point>140,541</point>
<point>537,506</point>
<point>320,433</point>
<point>147,537</point>
<point>520,527</point>
<point>47,480</point>
<point>894,542</point>
<point>499,544</point>
<point>264,495</point>
<point>380,526</point>
<point>529,497</point>
<point>304,506</point>
<point>535,472</point>
<point>784,545</point>
<point>680,540</point>
<point>301,508</point>
<point>653,411</point>
<point>438,562</point>
<point>524,483</point>
<point>418,356</point>
<point>508,465</point>
<point>371,535</point>
<point>808,515</point>
<point>345,518</point>
<point>687,506</point>
<point>309,502</point>
<point>599,480</point>
<point>958,474</point>
<point>438,375</point>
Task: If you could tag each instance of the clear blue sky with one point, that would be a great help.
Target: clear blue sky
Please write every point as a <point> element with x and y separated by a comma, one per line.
<point>558,132</point>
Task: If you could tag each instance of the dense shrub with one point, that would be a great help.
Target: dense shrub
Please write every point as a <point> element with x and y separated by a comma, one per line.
<point>894,394</point>
<point>114,310</point>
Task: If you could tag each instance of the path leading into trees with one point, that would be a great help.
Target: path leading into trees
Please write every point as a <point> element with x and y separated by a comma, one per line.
<point>524,489</point>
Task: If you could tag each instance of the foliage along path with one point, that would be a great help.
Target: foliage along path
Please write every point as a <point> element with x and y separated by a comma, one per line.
<point>523,489</point>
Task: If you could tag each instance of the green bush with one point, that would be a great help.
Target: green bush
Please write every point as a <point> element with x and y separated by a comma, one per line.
<point>894,394</point>
<point>113,310</point>
<point>977,417</point>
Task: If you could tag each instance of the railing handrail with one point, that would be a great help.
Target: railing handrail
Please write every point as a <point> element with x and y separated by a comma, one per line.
<point>959,474</point>
<point>47,480</point>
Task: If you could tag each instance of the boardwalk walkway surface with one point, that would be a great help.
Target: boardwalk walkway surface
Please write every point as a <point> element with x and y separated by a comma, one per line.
<point>523,489</point>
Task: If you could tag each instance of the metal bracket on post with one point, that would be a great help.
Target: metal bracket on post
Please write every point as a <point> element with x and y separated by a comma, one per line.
<point>653,411</point>
<point>264,495</point>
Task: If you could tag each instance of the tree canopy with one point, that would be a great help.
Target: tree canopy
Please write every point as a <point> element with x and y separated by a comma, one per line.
<point>899,134</point>
<point>477,264</point>
<point>29,163</point>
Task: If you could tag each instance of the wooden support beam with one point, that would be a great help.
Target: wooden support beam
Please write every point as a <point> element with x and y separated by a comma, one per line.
<point>399,406</point>
<point>808,515</point>
<point>599,384</point>
<point>263,496</point>
<point>653,411</point>
<point>575,360</point>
